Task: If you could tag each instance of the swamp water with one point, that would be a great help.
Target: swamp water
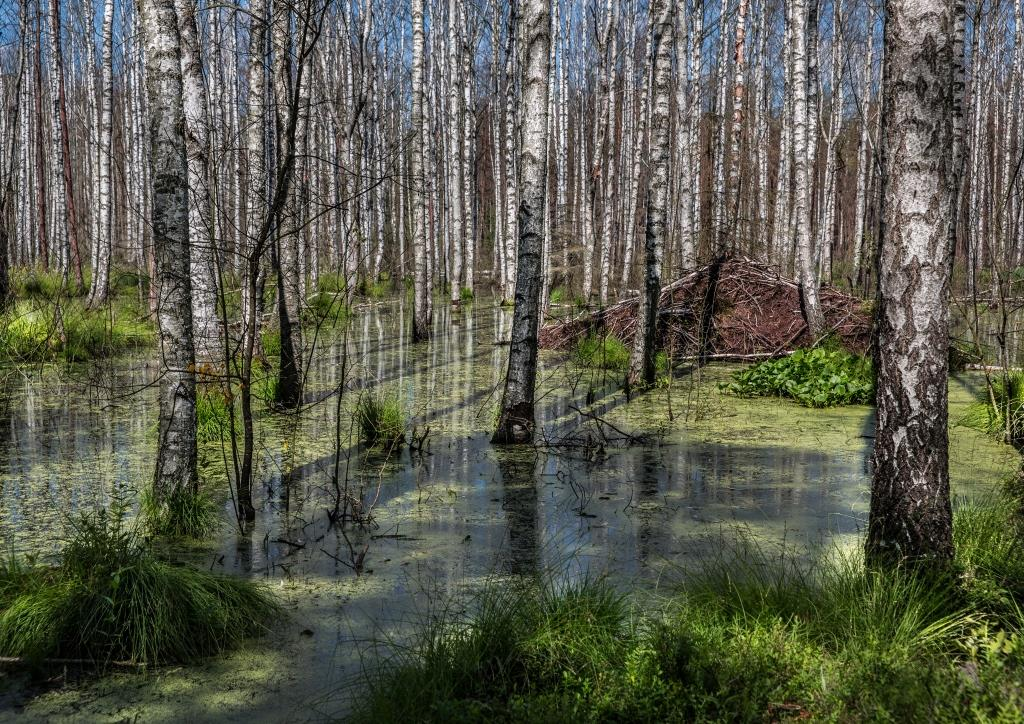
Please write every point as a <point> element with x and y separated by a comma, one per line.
<point>714,469</point>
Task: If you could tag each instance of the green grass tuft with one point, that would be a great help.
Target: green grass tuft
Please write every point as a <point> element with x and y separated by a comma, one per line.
<point>213,413</point>
<point>756,636</point>
<point>184,514</point>
<point>381,419</point>
<point>111,599</point>
<point>43,331</point>
<point>466,295</point>
<point>602,352</point>
<point>999,410</point>
<point>326,307</point>
<point>816,377</point>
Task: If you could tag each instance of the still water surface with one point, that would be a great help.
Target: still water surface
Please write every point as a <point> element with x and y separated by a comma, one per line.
<point>712,469</point>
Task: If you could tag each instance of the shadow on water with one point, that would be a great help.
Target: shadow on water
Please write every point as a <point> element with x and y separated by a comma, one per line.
<point>440,521</point>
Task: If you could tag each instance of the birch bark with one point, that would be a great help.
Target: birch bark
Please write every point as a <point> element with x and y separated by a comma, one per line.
<point>910,518</point>
<point>516,418</point>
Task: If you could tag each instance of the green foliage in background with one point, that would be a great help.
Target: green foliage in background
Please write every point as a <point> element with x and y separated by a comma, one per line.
<point>67,331</point>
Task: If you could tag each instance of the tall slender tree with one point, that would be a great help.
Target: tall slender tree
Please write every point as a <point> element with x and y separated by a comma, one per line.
<point>803,170</point>
<point>421,292</point>
<point>202,239</point>
<point>910,517</point>
<point>102,241</point>
<point>176,443</point>
<point>516,418</point>
<point>641,367</point>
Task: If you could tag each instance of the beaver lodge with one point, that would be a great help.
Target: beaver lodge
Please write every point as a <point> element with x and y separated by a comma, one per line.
<point>732,308</point>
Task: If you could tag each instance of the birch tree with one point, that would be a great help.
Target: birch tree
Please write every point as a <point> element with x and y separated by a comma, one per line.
<point>206,330</point>
<point>516,417</point>
<point>802,200</point>
<point>910,518</point>
<point>641,367</point>
<point>176,442</point>
<point>421,293</point>
<point>103,240</point>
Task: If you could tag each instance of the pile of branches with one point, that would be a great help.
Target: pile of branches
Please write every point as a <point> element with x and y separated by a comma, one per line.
<point>732,308</point>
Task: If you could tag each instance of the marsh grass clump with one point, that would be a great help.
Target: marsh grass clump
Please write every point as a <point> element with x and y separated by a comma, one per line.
<point>465,295</point>
<point>270,341</point>
<point>182,514</point>
<point>999,410</point>
<point>604,352</point>
<point>821,376</point>
<point>110,599</point>
<point>381,419</point>
<point>378,288</point>
<point>213,413</point>
<point>66,331</point>
<point>757,635</point>
<point>326,307</point>
<point>523,638</point>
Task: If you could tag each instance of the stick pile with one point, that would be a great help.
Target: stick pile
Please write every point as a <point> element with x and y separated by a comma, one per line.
<point>753,312</point>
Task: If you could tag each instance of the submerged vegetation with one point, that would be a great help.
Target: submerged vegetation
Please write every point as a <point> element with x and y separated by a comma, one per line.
<point>756,637</point>
<point>111,599</point>
<point>815,377</point>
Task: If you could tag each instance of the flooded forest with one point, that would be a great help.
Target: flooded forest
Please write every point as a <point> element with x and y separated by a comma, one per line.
<point>530,361</point>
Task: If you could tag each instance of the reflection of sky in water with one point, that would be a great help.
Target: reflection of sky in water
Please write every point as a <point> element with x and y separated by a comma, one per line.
<point>466,510</point>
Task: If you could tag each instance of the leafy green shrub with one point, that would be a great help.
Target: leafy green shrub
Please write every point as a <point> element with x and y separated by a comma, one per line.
<point>1000,409</point>
<point>603,352</point>
<point>111,599</point>
<point>816,377</point>
<point>381,419</point>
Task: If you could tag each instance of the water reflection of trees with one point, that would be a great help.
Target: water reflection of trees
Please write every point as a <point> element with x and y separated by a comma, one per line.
<point>520,505</point>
